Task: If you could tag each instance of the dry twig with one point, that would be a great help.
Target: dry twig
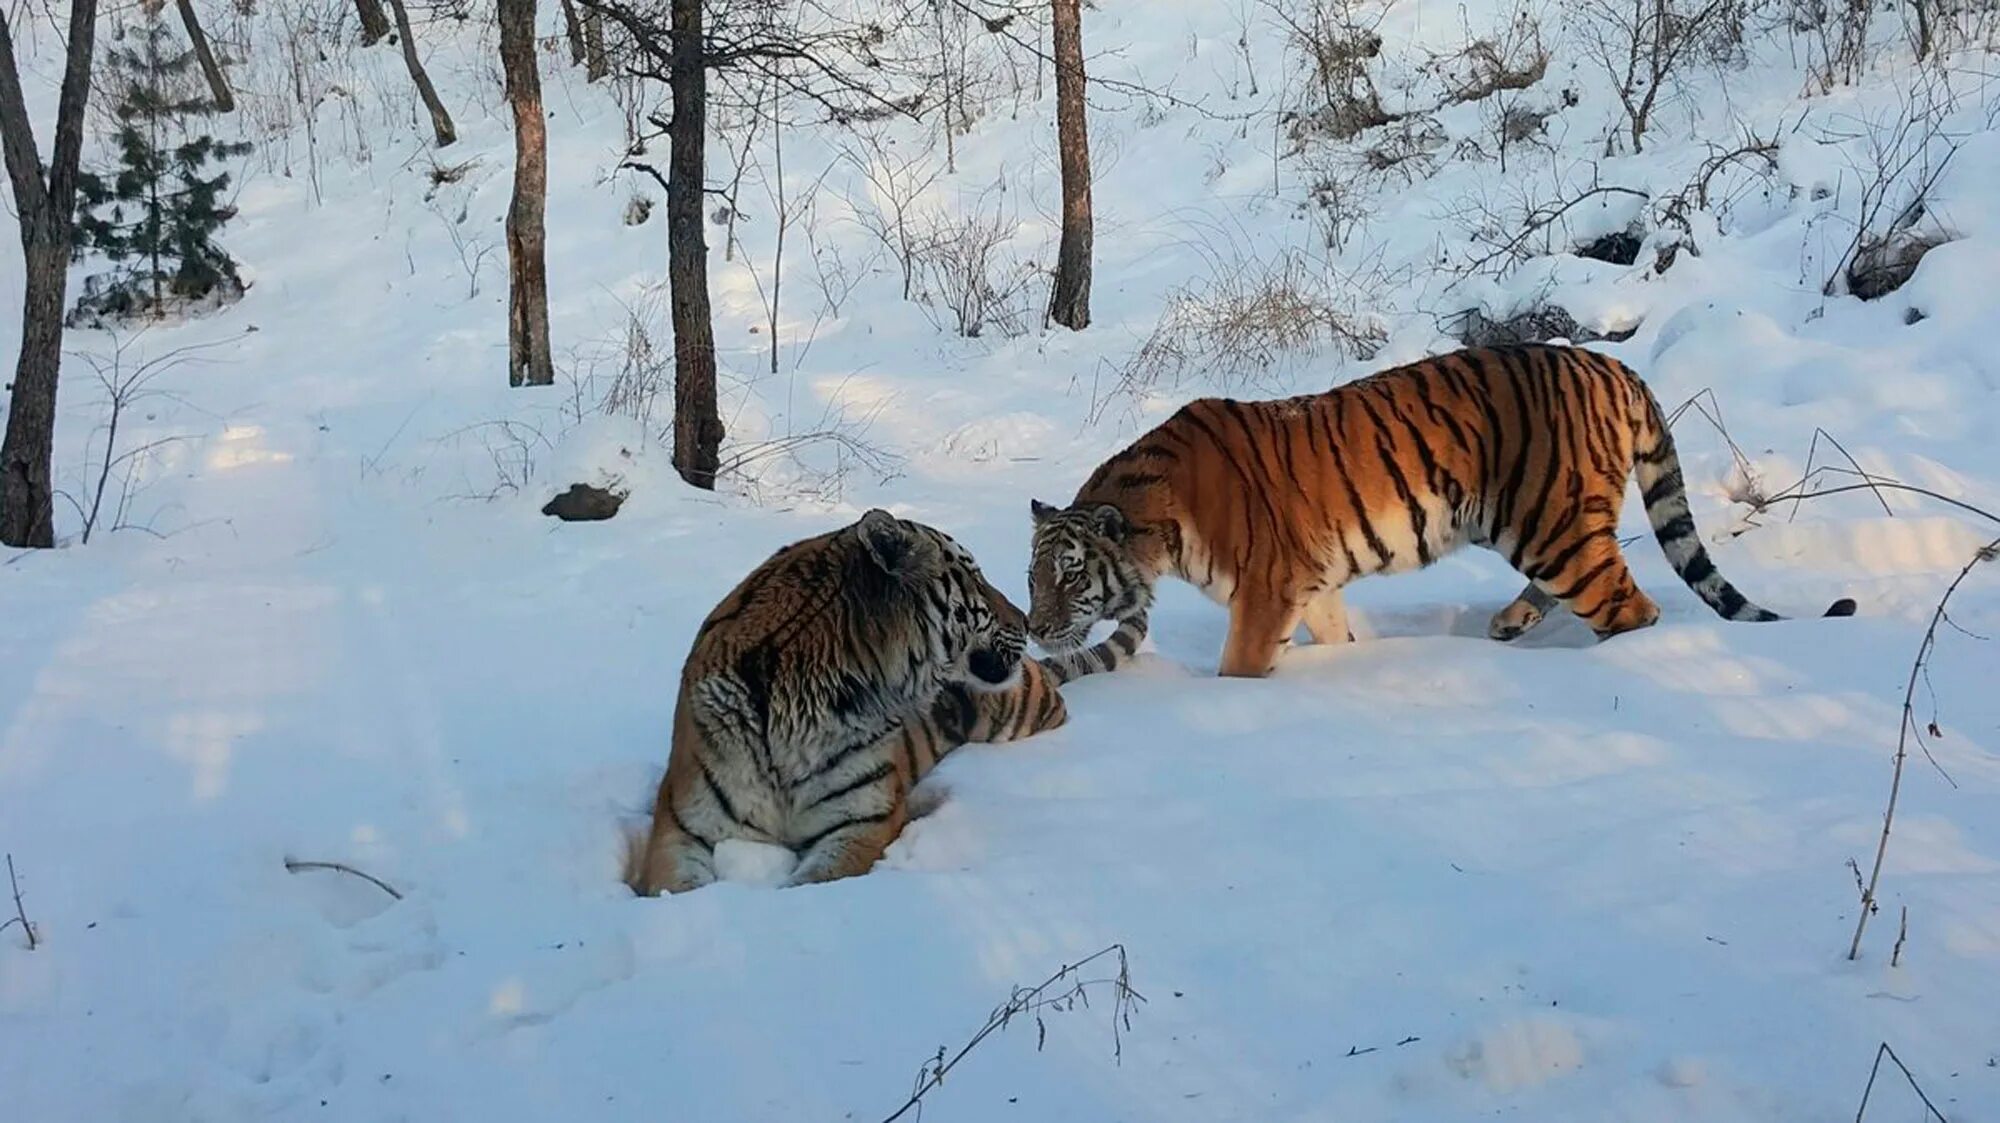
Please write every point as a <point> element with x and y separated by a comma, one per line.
<point>1031,1001</point>
<point>20,914</point>
<point>293,865</point>
<point>1918,668</point>
<point>1930,1109</point>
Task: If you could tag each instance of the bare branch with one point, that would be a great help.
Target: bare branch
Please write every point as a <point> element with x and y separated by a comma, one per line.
<point>1918,667</point>
<point>20,913</point>
<point>1930,1109</point>
<point>295,866</point>
<point>1030,1002</point>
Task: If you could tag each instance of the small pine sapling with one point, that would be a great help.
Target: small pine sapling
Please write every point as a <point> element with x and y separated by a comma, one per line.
<point>156,213</point>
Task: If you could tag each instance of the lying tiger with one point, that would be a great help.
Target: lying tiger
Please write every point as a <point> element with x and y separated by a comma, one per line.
<point>1271,507</point>
<point>822,688</point>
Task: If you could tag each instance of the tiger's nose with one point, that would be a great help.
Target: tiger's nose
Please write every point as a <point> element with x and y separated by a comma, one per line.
<point>990,666</point>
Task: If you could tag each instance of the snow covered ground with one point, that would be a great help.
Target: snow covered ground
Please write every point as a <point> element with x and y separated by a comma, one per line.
<point>1424,877</point>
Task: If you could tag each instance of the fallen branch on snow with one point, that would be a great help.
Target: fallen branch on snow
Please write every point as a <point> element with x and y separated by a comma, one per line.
<point>20,914</point>
<point>1930,1109</point>
<point>293,865</point>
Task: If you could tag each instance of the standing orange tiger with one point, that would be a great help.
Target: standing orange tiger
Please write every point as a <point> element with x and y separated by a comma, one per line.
<point>1272,507</point>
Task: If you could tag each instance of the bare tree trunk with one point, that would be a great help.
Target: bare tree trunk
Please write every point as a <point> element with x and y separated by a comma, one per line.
<point>597,61</point>
<point>47,211</point>
<point>528,361</point>
<point>218,86</point>
<point>573,28</point>
<point>944,71</point>
<point>697,421</point>
<point>1069,304</point>
<point>784,217</point>
<point>440,120</point>
<point>374,21</point>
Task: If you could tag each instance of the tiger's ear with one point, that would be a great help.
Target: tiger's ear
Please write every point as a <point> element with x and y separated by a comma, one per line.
<point>1111,522</point>
<point>893,545</point>
<point>1041,511</point>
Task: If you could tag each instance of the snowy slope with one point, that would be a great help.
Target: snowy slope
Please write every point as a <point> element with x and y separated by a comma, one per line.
<point>1425,877</point>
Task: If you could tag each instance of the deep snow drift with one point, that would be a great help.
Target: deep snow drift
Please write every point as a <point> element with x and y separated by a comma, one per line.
<point>1424,877</point>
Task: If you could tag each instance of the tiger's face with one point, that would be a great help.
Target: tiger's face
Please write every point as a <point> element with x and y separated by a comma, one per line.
<point>975,632</point>
<point>987,628</point>
<point>1081,571</point>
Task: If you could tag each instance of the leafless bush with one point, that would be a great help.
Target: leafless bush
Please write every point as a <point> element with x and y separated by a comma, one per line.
<point>1726,175</point>
<point>1407,149</point>
<point>513,447</point>
<point>1902,156</point>
<point>812,461</point>
<point>315,70</point>
<point>896,179</point>
<point>1518,123</point>
<point>127,385</point>
<point>977,47</point>
<point>1512,125</point>
<point>971,281</point>
<point>1062,992</point>
<point>1941,28</point>
<point>1909,731</point>
<point>1514,58</point>
<point>1836,36</point>
<point>1339,206</point>
<point>441,175</point>
<point>1644,46</point>
<point>624,374</point>
<point>788,204</point>
<point>1520,223</point>
<point>835,274</point>
<point>472,247</point>
<point>1249,316</point>
<point>1337,46</point>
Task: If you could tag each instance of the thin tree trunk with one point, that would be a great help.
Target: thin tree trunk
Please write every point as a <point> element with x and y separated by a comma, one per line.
<point>697,422</point>
<point>944,69</point>
<point>374,21</point>
<point>218,86</point>
<point>784,217</point>
<point>527,271</point>
<point>1069,304</point>
<point>573,28</point>
<point>440,120</point>
<point>47,209</point>
<point>597,60</point>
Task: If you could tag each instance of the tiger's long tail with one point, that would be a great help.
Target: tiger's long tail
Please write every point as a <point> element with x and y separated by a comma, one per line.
<point>1657,467</point>
<point>1105,655</point>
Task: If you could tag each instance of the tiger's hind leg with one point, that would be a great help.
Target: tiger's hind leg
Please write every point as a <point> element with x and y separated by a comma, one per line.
<point>1586,571</point>
<point>670,859</point>
<point>1326,618</point>
<point>1259,628</point>
<point>1520,617</point>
